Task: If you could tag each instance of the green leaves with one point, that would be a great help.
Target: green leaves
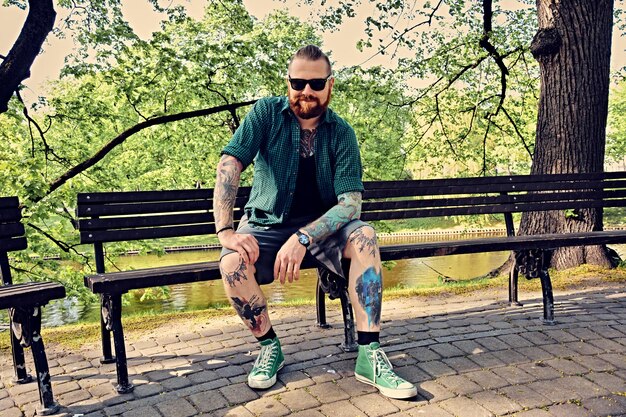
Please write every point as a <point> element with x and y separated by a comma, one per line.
<point>616,130</point>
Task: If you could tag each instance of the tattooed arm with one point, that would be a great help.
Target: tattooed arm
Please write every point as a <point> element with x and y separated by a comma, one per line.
<point>347,209</point>
<point>226,186</point>
<point>291,254</point>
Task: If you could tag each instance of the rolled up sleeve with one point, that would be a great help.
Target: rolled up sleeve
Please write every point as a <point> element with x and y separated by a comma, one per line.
<point>246,141</point>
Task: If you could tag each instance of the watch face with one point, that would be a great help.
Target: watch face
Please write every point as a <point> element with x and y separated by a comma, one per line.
<point>303,239</point>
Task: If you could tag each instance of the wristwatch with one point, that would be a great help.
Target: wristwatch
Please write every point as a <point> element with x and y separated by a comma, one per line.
<point>303,239</point>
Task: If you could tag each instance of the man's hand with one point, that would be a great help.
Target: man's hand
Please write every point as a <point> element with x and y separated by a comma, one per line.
<point>288,260</point>
<point>244,244</point>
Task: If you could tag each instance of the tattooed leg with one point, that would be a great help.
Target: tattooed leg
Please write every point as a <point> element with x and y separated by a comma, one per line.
<point>365,278</point>
<point>245,294</point>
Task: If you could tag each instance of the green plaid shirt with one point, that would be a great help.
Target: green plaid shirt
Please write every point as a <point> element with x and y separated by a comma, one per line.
<point>270,135</point>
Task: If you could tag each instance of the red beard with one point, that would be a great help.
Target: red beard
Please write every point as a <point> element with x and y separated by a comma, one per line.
<point>308,107</point>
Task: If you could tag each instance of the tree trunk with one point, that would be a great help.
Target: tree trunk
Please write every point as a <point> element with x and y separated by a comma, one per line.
<point>573,48</point>
<point>16,66</point>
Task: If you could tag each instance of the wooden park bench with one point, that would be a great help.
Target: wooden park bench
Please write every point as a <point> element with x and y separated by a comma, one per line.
<point>126,216</point>
<point>24,302</point>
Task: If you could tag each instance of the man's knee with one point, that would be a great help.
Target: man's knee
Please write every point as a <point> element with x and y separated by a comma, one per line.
<point>362,241</point>
<point>234,270</point>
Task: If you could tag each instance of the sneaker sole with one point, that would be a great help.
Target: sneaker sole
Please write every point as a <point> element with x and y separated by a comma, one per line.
<point>268,383</point>
<point>398,393</point>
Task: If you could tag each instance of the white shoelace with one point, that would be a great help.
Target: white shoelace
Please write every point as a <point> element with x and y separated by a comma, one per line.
<point>266,357</point>
<point>382,366</point>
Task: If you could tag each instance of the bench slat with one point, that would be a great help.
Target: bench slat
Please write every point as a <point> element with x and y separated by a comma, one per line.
<point>10,214</point>
<point>13,244</point>
<point>574,197</point>
<point>149,207</point>
<point>152,196</point>
<point>150,221</point>
<point>6,202</point>
<point>145,208</point>
<point>515,179</point>
<point>124,281</point>
<point>30,294</point>
<point>11,230</point>
<point>147,233</point>
<point>497,244</point>
<point>416,190</point>
<point>121,282</point>
<point>487,209</point>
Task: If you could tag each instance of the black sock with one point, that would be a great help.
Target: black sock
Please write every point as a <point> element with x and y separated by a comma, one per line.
<point>269,335</point>
<point>365,338</point>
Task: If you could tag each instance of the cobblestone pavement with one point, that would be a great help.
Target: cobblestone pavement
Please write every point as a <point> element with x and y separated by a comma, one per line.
<point>471,356</point>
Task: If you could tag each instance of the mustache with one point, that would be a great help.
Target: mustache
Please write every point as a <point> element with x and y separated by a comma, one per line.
<point>307,97</point>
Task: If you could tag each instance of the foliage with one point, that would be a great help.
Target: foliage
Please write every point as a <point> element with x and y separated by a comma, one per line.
<point>616,132</point>
<point>468,116</point>
<point>369,100</point>
<point>114,80</point>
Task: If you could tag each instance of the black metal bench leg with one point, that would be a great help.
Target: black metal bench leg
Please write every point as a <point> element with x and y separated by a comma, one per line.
<point>349,344</point>
<point>320,298</point>
<point>336,287</point>
<point>107,353</point>
<point>112,315</point>
<point>27,330</point>
<point>548,298</point>
<point>513,286</point>
<point>48,406</point>
<point>19,364</point>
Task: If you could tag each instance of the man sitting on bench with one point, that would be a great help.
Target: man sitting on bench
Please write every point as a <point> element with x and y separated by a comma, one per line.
<point>305,201</point>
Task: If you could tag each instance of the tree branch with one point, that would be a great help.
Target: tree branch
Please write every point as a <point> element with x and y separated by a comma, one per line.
<point>233,124</point>
<point>134,106</point>
<point>32,122</point>
<point>407,30</point>
<point>62,245</point>
<point>99,155</point>
<point>15,68</point>
<point>519,134</point>
<point>485,43</point>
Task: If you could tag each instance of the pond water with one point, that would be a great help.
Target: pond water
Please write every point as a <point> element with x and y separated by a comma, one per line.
<point>422,272</point>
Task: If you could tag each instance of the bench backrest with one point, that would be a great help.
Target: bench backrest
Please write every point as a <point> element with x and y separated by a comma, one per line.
<point>126,216</point>
<point>12,234</point>
<point>386,200</point>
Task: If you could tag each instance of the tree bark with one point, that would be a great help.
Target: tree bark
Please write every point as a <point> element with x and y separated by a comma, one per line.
<point>16,66</point>
<point>573,48</point>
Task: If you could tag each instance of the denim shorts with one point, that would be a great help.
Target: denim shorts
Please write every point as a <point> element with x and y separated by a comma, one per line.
<point>326,253</point>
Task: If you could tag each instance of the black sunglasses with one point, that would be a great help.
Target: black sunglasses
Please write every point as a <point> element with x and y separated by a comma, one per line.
<point>317,84</point>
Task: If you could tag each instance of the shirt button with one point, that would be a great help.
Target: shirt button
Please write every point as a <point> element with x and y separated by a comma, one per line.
<point>290,193</point>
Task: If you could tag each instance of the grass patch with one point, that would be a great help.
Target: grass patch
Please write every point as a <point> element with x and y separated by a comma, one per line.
<point>73,336</point>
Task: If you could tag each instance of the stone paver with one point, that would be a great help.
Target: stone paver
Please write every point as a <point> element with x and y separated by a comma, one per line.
<point>267,407</point>
<point>463,406</point>
<point>299,399</point>
<point>469,356</point>
<point>341,409</point>
<point>178,407</point>
<point>569,410</point>
<point>373,405</point>
<point>496,403</point>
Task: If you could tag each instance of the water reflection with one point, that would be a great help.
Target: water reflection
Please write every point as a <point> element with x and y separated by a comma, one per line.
<point>406,273</point>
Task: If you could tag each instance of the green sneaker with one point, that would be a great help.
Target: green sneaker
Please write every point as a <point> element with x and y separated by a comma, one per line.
<point>373,368</point>
<point>267,365</point>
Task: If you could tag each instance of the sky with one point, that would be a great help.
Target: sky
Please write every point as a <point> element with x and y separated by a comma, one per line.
<point>50,62</point>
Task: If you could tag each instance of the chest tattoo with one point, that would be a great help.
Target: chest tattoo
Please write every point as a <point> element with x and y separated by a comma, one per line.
<point>307,139</point>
